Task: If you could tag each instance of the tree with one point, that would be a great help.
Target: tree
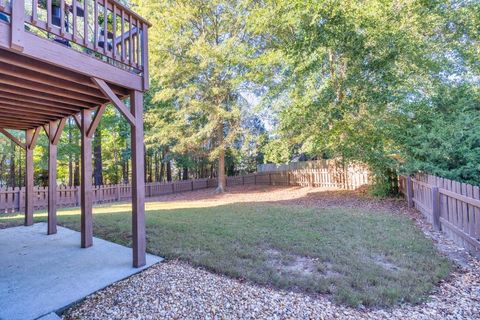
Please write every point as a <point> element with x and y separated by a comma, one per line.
<point>341,74</point>
<point>198,52</point>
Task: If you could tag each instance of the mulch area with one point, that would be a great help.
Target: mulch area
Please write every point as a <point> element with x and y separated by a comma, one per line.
<point>176,290</point>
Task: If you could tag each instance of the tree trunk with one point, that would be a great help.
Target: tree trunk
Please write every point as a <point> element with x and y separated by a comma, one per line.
<point>221,161</point>
<point>76,174</point>
<point>12,180</point>
<point>20,169</point>
<point>146,165</point>
<point>97,155</point>
<point>185,173</point>
<point>151,173</point>
<point>156,169</point>
<point>2,166</point>
<point>169,171</point>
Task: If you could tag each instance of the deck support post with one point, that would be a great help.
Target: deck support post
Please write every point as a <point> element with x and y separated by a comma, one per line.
<point>53,131</point>
<point>86,225</point>
<point>52,181</point>
<point>138,181</point>
<point>29,136</point>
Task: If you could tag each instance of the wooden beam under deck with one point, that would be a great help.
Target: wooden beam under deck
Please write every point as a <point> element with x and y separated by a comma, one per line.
<point>27,114</point>
<point>53,71</point>
<point>20,82</point>
<point>45,96</point>
<point>39,78</point>
<point>28,109</point>
<point>52,106</point>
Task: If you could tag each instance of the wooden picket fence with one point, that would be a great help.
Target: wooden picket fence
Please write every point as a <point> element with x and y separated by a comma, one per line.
<point>450,206</point>
<point>329,178</point>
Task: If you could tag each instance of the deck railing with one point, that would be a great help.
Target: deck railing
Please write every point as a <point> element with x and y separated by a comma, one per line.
<point>105,29</point>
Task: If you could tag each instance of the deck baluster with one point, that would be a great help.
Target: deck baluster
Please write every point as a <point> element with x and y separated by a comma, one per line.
<point>62,18</point>
<point>85,23</point>
<point>137,42</point>
<point>130,41</point>
<point>105,29</point>
<point>122,40</point>
<point>146,75</point>
<point>49,15</point>
<point>95,23</point>
<point>114,31</point>
<point>34,11</point>
<point>74,22</point>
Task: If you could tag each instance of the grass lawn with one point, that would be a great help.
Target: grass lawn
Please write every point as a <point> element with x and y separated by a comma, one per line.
<point>357,257</point>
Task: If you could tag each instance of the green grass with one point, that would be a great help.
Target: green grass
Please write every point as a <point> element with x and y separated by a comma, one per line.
<point>357,257</point>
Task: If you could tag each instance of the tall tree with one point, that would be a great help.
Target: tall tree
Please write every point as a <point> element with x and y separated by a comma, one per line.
<point>198,56</point>
<point>341,74</point>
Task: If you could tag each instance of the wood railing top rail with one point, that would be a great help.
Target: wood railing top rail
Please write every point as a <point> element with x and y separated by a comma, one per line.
<point>129,12</point>
<point>473,202</point>
<point>422,183</point>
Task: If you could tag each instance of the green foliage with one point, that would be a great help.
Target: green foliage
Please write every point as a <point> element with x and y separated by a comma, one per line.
<point>199,56</point>
<point>394,84</point>
<point>277,151</point>
<point>369,81</point>
<point>443,138</point>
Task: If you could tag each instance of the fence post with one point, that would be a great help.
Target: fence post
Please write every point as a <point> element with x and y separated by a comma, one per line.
<point>270,178</point>
<point>254,179</point>
<point>436,208</point>
<point>243,180</point>
<point>192,185</point>
<point>410,192</point>
<point>118,192</point>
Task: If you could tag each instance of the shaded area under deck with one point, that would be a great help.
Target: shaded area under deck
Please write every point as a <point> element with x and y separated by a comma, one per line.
<point>42,274</point>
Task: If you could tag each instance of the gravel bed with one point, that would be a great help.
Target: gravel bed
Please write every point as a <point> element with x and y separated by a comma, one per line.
<point>176,290</point>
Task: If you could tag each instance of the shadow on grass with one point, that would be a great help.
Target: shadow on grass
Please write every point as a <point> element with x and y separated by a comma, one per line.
<point>354,255</point>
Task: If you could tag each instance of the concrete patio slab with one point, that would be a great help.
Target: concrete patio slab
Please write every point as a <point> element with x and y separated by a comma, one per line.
<point>40,274</point>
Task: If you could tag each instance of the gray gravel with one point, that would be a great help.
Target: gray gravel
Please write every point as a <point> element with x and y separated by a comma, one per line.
<point>176,290</point>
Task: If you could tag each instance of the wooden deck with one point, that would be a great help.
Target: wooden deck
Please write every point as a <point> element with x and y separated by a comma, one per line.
<point>62,58</point>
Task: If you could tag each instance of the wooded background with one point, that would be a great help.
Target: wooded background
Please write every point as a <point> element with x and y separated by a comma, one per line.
<point>236,83</point>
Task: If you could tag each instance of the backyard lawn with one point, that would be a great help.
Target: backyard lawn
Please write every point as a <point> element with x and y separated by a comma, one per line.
<point>356,255</point>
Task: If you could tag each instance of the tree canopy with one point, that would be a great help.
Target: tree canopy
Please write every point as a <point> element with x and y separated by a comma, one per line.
<point>235,83</point>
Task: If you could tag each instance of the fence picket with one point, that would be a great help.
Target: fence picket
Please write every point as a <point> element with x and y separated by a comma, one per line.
<point>476,215</point>
<point>458,206</point>
<point>330,176</point>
